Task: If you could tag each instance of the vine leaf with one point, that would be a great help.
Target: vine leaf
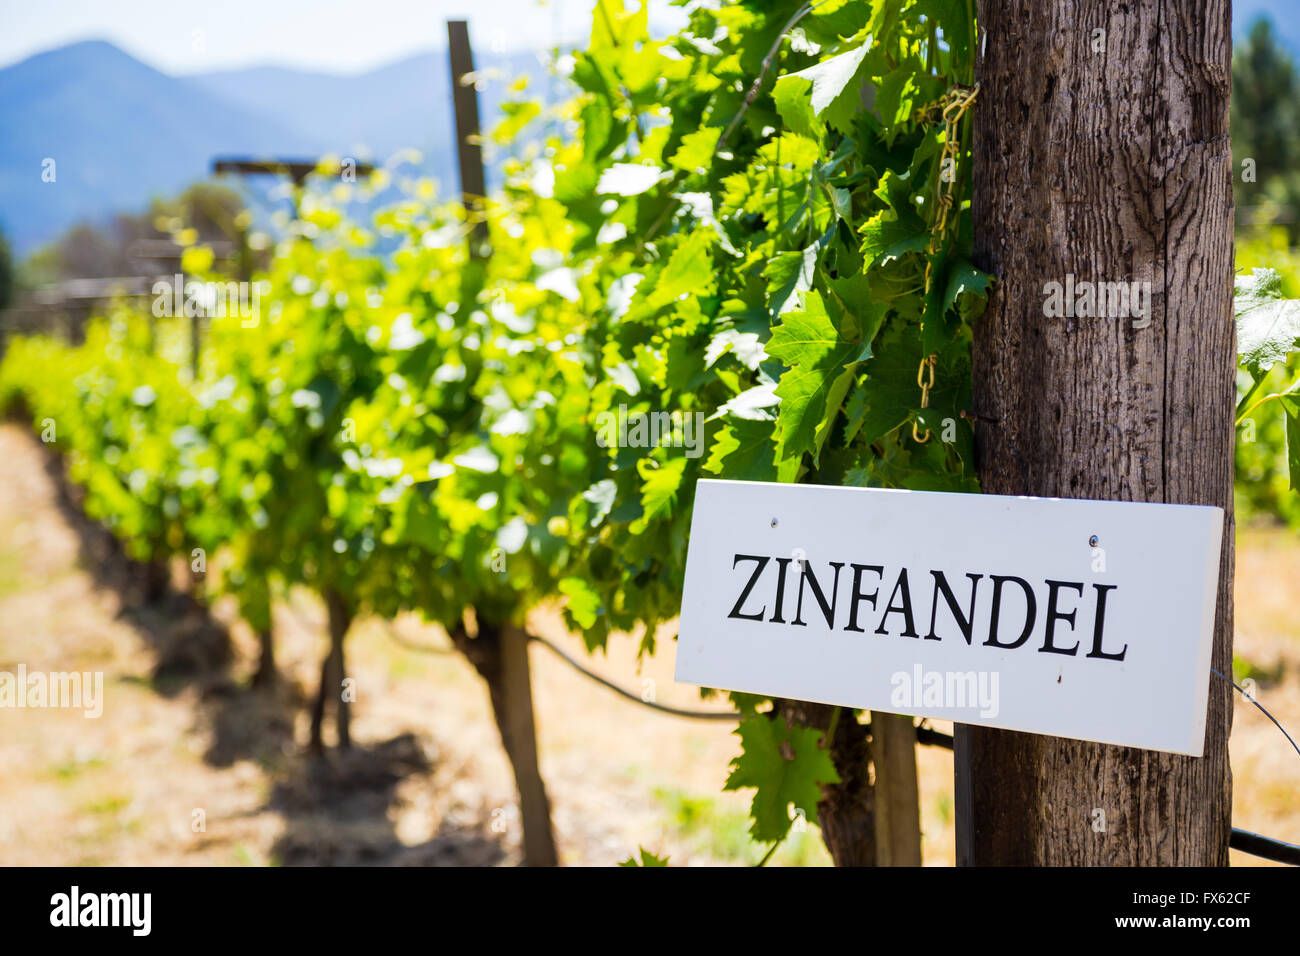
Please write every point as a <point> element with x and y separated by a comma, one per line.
<point>744,450</point>
<point>967,289</point>
<point>898,228</point>
<point>808,342</point>
<point>788,273</point>
<point>646,859</point>
<point>889,388</point>
<point>830,78</point>
<point>583,603</point>
<point>1268,325</point>
<point>790,95</point>
<point>661,485</point>
<point>753,403</point>
<point>689,272</point>
<point>787,766</point>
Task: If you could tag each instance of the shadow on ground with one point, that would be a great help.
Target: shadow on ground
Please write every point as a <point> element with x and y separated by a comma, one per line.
<point>336,808</point>
<point>336,812</point>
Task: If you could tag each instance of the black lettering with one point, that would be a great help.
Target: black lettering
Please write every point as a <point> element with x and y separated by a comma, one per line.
<point>1098,626</point>
<point>1030,610</point>
<point>859,596</point>
<point>781,565</point>
<point>905,608</point>
<point>1053,615</point>
<point>828,610</point>
<point>966,623</point>
<point>761,563</point>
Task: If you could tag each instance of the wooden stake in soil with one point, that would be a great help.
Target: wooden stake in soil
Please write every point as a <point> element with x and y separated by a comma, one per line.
<point>898,816</point>
<point>1101,155</point>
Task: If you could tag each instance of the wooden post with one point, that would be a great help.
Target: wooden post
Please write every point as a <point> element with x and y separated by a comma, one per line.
<point>898,816</point>
<point>1101,152</point>
<point>469,152</point>
<point>963,793</point>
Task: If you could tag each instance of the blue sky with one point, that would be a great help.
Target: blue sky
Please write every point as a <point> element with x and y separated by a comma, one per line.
<point>342,36</point>
<point>335,36</point>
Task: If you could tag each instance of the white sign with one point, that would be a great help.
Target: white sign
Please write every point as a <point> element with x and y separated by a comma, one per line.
<point>1085,619</point>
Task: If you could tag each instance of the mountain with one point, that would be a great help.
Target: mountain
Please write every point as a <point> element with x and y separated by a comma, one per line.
<point>404,104</point>
<point>118,131</point>
<point>121,132</point>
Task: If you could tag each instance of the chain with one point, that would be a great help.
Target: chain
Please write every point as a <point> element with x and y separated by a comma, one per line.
<point>926,383</point>
<point>955,103</point>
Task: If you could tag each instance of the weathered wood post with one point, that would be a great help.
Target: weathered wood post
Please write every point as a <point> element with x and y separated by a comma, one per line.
<point>898,811</point>
<point>1101,153</point>
<point>469,151</point>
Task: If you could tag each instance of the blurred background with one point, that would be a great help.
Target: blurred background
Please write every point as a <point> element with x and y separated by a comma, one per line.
<point>112,117</point>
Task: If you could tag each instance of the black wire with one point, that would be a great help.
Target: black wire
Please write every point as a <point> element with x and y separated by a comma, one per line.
<point>1265,847</point>
<point>1260,706</point>
<point>933,738</point>
<point>680,712</point>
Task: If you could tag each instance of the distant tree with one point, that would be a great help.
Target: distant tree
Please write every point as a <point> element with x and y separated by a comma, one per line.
<point>1265,123</point>
<point>214,212</point>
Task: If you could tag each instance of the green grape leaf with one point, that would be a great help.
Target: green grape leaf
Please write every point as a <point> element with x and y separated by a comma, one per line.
<point>753,404</point>
<point>833,79</point>
<point>896,229</point>
<point>744,450</point>
<point>951,15</point>
<point>793,103</point>
<point>811,347</point>
<point>603,495</point>
<point>661,484</point>
<point>689,271</point>
<point>889,384</point>
<point>788,273</point>
<point>746,346</point>
<point>788,768</point>
<point>967,289</point>
<point>696,151</point>
<point>646,859</point>
<point>583,602</point>
<point>1268,325</point>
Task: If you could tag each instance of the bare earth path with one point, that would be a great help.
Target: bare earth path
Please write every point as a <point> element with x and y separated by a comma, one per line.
<point>187,766</point>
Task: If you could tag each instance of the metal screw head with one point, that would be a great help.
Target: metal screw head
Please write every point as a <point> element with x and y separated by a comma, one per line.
<point>1094,541</point>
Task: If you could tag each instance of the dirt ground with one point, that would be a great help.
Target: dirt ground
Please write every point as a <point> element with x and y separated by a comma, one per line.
<point>186,765</point>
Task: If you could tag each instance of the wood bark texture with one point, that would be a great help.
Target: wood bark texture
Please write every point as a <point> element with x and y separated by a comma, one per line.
<point>1101,150</point>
